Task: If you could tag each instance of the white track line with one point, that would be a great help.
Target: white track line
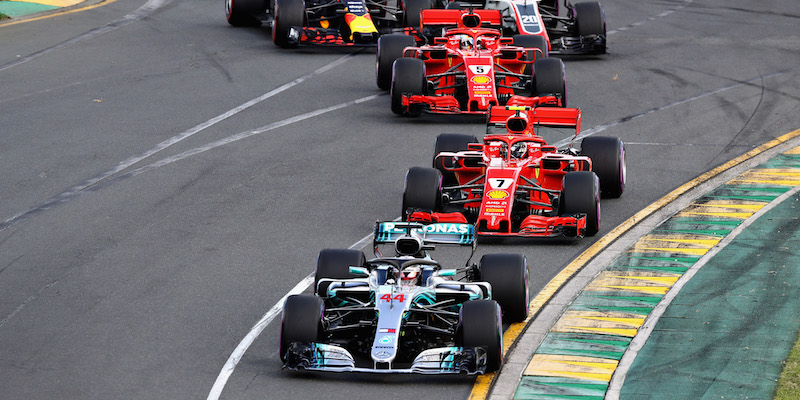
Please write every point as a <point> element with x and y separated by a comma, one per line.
<point>237,354</point>
<point>76,190</point>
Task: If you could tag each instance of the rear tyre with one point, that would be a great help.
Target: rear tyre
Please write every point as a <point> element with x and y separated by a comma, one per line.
<point>390,48</point>
<point>335,264</point>
<point>590,19</point>
<point>288,13</point>
<point>480,326</point>
<point>608,162</point>
<point>581,194</point>
<point>508,275</point>
<point>301,321</point>
<point>412,10</point>
<point>423,189</point>
<point>549,79</point>
<point>242,12</point>
<point>408,77</point>
<point>449,142</point>
<point>531,41</point>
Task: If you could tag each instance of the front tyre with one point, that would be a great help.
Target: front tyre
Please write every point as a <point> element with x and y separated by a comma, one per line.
<point>408,77</point>
<point>301,321</point>
<point>480,326</point>
<point>390,48</point>
<point>608,162</point>
<point>549,79</point>
<point>422,190</point>
<point>288,13</point>
<point>580,194</point>
<point>508,275</point>
<point>590,19</point>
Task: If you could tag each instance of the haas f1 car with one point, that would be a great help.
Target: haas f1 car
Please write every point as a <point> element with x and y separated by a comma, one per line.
<point>514,183</point>
<point>581,31</point>
<point>406,313</point>
<point>468,69</point>
<point>327,22</point>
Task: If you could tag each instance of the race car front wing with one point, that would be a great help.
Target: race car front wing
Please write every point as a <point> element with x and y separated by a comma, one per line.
<point>333,358</point>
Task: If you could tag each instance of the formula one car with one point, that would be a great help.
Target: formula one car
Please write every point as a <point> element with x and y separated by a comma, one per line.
<point>327,22</point>
<point>468,69</point>
<point>405,314</point>
<point>514,183</point>
<point>581,31</point>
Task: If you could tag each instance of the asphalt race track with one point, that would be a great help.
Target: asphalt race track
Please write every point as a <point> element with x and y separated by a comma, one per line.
<point>167,178</point>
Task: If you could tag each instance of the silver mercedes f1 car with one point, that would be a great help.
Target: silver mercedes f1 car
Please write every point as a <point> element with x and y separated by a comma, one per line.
<point>406,313</point>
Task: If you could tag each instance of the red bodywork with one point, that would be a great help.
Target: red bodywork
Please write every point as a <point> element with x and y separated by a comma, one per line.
<point>470,79</point>
<point>508,193</point>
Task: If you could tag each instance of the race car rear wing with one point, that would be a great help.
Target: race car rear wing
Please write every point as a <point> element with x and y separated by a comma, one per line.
<point>549,116</point>
<point>462,18</point>
<point>436,233</point>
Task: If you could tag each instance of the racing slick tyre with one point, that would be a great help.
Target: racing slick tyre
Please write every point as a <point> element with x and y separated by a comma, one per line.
<point>479,325</point>
<point>408,76</point>
<point>508,275</point>
<point>580,194</point>
<point>390,48</point>
<point>423,190</point>
<point>608,162</point>
<point>335,264</point>
<point>242,12</point>
<point>549,79</point>
<point>449,142</point>
<point>412,10</point>
<point>301,321</point>
<point>531,41</point>
<point>288,13</point>
<point>590,19</point>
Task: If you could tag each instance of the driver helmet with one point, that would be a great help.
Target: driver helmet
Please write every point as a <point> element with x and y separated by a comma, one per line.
<point>466,42</point>
<point>518,150</point>
<point>410,276</point>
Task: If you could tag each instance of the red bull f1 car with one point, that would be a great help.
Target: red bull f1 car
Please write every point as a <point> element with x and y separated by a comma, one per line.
<point>514,183</point>
<point>405,313</point>
<point>469,68</point>
<point>327,22</point>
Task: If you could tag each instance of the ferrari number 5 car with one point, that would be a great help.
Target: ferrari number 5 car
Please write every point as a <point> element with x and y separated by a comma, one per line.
<point>327,22</point>
<point>514,183</point>
<point>468,69</point>
<point>406,313</point>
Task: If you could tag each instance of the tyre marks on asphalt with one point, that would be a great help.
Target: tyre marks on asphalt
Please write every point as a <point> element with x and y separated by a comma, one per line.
<point>582,351</point>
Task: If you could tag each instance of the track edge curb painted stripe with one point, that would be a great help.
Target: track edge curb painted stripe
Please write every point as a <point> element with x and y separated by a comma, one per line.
<point>485,383</point>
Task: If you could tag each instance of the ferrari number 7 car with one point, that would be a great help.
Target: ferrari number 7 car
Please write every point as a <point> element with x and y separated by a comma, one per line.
<point>327,22</point>
<point>405,313</point>
<point>514,183</point>
<point>468,69</point>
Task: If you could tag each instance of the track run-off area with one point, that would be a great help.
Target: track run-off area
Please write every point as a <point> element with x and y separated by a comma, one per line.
<point>170,179</point>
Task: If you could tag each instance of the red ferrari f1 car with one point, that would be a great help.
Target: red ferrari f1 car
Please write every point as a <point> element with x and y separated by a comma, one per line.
<point>469,68</point>
<point>326,22</point>
<point>514,183</point>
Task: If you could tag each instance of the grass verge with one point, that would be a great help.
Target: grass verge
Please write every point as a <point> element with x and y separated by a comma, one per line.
<point>789,382</point>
